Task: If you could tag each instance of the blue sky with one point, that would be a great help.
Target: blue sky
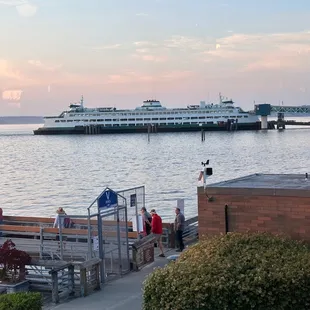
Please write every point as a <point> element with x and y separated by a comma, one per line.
<point>119,53</point>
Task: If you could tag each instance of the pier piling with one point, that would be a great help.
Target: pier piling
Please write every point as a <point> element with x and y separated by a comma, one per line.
<point>148,132</point>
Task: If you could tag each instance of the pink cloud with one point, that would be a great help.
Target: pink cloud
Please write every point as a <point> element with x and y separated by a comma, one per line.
<point>154,58</point>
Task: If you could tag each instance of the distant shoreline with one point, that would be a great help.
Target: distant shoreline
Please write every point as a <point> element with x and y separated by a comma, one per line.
<point>11,120</point>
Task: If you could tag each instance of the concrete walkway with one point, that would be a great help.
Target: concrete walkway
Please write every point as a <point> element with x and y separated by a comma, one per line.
<point>121,294</point>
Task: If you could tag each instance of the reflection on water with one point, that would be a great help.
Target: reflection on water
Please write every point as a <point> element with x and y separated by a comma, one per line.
<point>41,173</point>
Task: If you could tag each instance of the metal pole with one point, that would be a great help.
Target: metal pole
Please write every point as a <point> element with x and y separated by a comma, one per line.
<point>41,242</point>
<point>60,237</point>
<point>101,253</point>
<point>226,219</point>
<point>89,237</point>
<point>143,196</point>
<point>204,177</point>
<point>127,241</point>
<point>119,242</point>
<point>137,215</point>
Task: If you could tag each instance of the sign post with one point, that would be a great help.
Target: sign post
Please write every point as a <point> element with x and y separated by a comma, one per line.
<point>107,200</point>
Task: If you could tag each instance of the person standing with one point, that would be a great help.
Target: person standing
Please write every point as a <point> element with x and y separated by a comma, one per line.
<point>59,220</point>
<point>157,230</point>
<point>179,225</point>
<point>147,219</point>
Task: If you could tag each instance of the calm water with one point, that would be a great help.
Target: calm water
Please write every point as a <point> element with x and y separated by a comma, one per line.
<point>41,173</point>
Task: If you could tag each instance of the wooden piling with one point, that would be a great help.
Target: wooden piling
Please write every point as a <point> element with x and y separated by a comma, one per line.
<point>203,135</point>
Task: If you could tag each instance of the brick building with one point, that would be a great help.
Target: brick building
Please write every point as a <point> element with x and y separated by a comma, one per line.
<point>277,203</point>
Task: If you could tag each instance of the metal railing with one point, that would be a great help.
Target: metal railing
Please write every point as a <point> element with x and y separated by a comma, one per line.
<point>190,233</point>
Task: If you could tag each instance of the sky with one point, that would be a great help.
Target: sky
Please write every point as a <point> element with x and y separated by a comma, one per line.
<point>121,52</point>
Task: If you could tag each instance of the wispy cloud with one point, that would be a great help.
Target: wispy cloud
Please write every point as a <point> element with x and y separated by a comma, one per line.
<point>263,51</point>
<point>134,77</point>
<point>24,8</point>
<point>8,71</point>
<point>187,43</point>
<point>154,58</point>
<point>12,95</point>
<point>43,66</point>
<point>142,14</point>
<point>105,47</point>
<point>145,43</point>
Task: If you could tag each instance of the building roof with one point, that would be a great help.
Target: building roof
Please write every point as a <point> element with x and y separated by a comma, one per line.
<point>267,181</point>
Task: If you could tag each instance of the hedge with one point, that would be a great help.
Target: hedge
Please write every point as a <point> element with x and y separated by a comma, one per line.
<point>235,271</point>
<point>21,301</point>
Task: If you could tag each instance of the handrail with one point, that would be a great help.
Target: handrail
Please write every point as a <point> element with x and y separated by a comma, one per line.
<point>65,231</point>
<point>48,220</point>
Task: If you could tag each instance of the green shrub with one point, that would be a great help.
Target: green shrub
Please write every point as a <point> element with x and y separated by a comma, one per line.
<point>235,271</point>
<point>21,301</point>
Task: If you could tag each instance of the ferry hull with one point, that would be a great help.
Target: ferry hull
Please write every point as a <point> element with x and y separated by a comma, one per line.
<point>144,129</point>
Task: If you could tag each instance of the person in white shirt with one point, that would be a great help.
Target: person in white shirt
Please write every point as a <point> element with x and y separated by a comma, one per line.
<point>59,220</point>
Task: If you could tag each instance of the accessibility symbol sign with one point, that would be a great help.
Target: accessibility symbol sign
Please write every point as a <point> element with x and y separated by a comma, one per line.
<point>108,199</point>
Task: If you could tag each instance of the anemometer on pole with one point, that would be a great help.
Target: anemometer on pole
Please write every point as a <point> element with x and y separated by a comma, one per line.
<point>205,172</point>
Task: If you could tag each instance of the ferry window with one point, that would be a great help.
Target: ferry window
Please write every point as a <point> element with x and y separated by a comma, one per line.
<point>186,122</point>
<point>139,124</point>
<point>131,119</point>
<point>69,120</point>
<point>154,119</point>
<point>77,120</point>
<point>239,116</point>
<point>139,119</point>
<point>85,120</point>
<point>115,120</point>
<point>147,119</point>
<point>209,122</point>
<point>202,117</point>
<point>108,120</point>
<point>170,118</point>
<point>92,120</point>
<point>178,118</point>
<point>57,121</point>
<point>245,116</point>
<point>99,120</point>
<point>124,119</point>
<point>162,119</point>
<point>63,121</point>
<point>194,117</point>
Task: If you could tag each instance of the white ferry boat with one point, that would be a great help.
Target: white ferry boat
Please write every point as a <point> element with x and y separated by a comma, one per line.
<point>150,117</point>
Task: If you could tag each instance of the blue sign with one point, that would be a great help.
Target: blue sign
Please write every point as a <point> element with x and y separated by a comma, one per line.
<point>108,199</point>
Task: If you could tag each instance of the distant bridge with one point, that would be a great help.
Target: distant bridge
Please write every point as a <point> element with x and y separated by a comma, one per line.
<point>265,110</point>
<point>291,110</point>
<point>273,110</point>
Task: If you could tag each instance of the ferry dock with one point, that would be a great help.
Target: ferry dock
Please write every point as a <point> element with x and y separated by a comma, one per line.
<point>102,246</point>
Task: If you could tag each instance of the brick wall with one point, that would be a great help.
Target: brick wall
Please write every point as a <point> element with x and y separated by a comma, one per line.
<point>254,210</point>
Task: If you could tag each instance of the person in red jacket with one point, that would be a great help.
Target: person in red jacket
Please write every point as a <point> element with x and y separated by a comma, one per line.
<point>157,230</point>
